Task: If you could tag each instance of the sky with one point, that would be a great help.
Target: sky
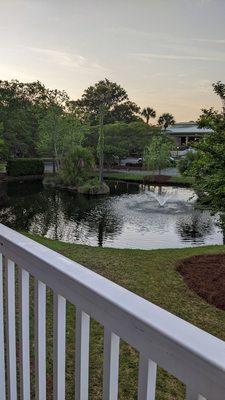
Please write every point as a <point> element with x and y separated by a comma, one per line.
<point>165,53</point>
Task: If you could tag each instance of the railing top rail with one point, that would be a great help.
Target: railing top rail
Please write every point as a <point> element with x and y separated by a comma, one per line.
<point>176,345</point>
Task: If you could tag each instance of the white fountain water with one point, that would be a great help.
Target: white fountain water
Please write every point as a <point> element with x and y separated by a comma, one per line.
<point>160,197</point>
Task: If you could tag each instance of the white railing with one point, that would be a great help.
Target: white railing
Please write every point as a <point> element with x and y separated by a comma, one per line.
<point>193,356</point>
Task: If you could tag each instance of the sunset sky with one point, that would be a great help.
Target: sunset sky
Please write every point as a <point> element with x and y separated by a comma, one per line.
<point>165,53</point>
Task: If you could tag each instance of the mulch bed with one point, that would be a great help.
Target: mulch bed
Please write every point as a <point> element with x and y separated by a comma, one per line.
<point>205,275</point>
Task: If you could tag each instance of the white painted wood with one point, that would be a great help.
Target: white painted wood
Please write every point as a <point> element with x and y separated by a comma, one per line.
<point>192,355</point>
<point>40,340</point>
<point>191,394</point>
<point>2,345</point>
<point>24,335</point>
<point>59,333</point>
<point>11,330</point>
<point>82,355</point>
<point>111,365</point>
<point>146,378</point>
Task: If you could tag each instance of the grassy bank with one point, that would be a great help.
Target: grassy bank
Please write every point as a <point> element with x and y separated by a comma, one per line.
<point>139,177</point>
<point>151,274</point>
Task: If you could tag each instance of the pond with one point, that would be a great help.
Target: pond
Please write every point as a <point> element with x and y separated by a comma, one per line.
<point>133,216</point>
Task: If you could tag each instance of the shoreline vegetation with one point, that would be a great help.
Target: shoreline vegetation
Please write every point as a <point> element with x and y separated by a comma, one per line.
<point>135,177</point>
<point>129,177</point>
<point>151,274</point>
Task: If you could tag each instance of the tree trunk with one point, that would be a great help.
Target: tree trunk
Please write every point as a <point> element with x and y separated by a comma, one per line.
<point>101,148</point>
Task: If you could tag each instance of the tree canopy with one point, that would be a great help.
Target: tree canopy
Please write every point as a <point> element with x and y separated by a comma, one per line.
<point>148,113</point>
<point>157,153</point>
<point>21,107</point>
<point>166,120</point>
<point>208,165</point>
<point>113,97</point>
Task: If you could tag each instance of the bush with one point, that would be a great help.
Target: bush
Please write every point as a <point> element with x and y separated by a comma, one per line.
<point>25,166</point>
<point>185,162</point>
<point>76,166</point>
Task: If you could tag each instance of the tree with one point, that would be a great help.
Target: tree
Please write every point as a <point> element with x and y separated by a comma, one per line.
<point>166,120</point>
<point>157,153</point>
<point>148,113</point>
<point>113,97</point>
<point>21,106</point>
<point>209,164</point>
<point>58,133</point>
<point>101,141</point>
<point>76,165</point>
<point>126,139</point>
<point>219,89</point>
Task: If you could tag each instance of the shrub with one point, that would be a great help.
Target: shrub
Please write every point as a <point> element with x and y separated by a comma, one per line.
<point>25,166</point>
<point>76,166</point>
<point>185,162</point>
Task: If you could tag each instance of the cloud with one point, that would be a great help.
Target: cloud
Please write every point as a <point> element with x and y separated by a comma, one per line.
<point>149,56</point>
<point>204,40</point>
<point>66,59</point>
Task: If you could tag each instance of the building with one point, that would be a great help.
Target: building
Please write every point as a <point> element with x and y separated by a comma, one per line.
<point>186,132</point>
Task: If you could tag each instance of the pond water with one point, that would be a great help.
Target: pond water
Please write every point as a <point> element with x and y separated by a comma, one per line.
<point>133,216</point>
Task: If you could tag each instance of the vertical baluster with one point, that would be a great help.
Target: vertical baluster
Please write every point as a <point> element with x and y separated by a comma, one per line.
<point>24,335</point>
<point>59,347</point>
<point>40,340</point>
<point>11,330</point>
<point>146,379</point>
<point>111,365</point>
<point>192,394</point>
<point>2,346</point>
<point>82,355</point>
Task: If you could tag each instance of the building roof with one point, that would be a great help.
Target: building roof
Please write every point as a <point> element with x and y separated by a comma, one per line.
<point>186,128</point>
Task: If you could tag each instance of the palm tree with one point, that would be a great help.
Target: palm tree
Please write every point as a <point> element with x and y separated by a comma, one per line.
<point>166,120</point>
<point>219,89</point>
<point>148,113</point>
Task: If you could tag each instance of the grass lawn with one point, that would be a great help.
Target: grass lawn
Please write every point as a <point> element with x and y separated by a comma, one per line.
<point>138,176</point>
<point>152,275</point>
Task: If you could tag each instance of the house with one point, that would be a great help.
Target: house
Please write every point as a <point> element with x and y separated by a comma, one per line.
<point>186,132</point>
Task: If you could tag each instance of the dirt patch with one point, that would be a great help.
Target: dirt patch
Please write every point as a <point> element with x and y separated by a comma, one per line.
<point>205,274</point>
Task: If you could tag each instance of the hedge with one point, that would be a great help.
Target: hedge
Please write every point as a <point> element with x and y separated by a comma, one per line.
<point>24,167</point>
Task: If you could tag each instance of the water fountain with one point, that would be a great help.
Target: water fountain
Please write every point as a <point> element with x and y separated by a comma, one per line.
<point>160,197</point>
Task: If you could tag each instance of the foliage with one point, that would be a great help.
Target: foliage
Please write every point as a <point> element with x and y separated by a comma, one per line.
<point>157,153</point>
<point>166,120</point>
<point>121,139</point>
<point>3,149</point>
<point>90,184</point>
<point>113,97</point>
<point>140,176</point>
<point>219,89</point>
<point>21,106</point>
<point>101,141</point>
<point>25,166</point>
<point>208,168</point>
<point>185,162</point>
<point>211,119</point>
<point>76,166</point>
<point>148,113</point>
<point>58,133</point>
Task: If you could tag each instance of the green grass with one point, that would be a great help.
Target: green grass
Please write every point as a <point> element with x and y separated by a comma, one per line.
<point>151,274</point>
<point>142,177</point>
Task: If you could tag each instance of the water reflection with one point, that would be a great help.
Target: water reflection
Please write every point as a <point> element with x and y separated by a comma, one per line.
<point>133,216</point>
<point>195,227</point>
